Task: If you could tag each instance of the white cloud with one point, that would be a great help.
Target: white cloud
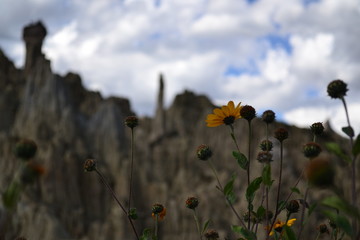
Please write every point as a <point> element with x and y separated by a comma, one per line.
<point>120,47</point>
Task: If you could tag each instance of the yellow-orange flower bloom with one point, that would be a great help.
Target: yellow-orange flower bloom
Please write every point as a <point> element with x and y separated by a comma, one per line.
<point>224,115</point>
<point>278,226</point>
<point>161,214</point>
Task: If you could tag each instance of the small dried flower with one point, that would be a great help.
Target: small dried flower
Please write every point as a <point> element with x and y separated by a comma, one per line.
<point>211,235</point>
<point>25,149</point>
<point>192,202</point>
<point>89,165</point>
<point>317,128</point>
<point>337,89</point>
<point>332,224</point>
<point>264,157</point>
<point>281,134</point>
<point>266,145</point>
<point>292,206</point>
<point>203,152</point>
<point>322,228</point>
<point>311,150</point>
<point>268,116</point>
<point>248,112</point>
<point>159,210</point>
<point>320,172</point>
<point>131,121</point>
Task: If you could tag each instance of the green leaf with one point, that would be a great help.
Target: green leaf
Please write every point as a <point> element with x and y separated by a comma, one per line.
<point>247,234</point>
<point>147,234</point>
<point>260,213</point>
<point>289,233</point>
<point>336,149</point>
<point>340,221</point>
<point>342,205</point>
<point>133,214</point>
<point>348,131</point>
<point>312,208</point>
<point>295,190</point>
<point>11,195</point>
<point>229,190</point>
<point>206,225</point>
<point>266,175</point>
<point>252,188</point>
<point>241,159</point>
<point>356,148</point>
<point>281,205</point>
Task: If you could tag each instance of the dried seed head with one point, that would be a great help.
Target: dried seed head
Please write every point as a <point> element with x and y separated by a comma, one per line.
<point>203,152</point>
<point>131,121</point>
<point>337,89</point>
<point>192,202</point>
<point>268,116</point>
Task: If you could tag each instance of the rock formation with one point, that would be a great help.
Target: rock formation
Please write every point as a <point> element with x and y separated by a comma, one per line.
<point>70,123</point>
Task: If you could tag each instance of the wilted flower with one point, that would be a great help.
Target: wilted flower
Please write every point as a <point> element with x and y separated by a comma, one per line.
<point>268,116</point>
<point>224,115</point>
<point>337,89</point>
<point>317,128</point>
<point>203,152</point>
<point>89,165</point>
<point>25,149</point>
<point>247,112</point>
<point>281,134</point>
<point>311,150</point>
<point>192,202</point>
<point>131,121</point>
<point>266,145</point>
<point>320,172</point>
<point>211,235</point>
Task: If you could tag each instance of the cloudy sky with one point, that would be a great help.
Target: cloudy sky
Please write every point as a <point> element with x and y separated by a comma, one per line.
<point>271,54</point>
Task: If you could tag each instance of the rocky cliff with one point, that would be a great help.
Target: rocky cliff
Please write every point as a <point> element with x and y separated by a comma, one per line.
<point>70,123</point>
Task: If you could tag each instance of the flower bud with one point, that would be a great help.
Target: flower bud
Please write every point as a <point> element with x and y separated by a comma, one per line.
<point>292,206</point>
<point>192,202</point>
<point>131,121</point>
<point>337,89</point>
<point>266,145</point>
<point>322,228</point>
<point>157,208</point>
<point>317,128</point>
<point>247,112</point>
<point>203,152</point>
<point>211,235</point>
<point>89,165</point>
<point>320,173</point>
<point>311,150</point>
<point>25,149</point>
<point>281,134</point>
<point>264,157</point>
<point>268,116</point>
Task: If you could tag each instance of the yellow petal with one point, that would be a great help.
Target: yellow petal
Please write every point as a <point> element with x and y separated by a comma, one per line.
<point>225,110</point>
<point>231,105</point>
<point>217,111</point>
<point>291,222</point>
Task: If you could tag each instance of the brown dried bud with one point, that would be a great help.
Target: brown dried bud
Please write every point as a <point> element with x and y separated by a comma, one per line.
<point>131,121</point>
<point>268,116</point>
<point>311,150</point>
<point>292,206</point>
<point>337,89</point>
<point>203,152</point>
<point>157,208</point>
<point>89,165</point>
<point>317,128</point>
<point>25,149</point>
<point>266,145</point>
<point>248,112</point>
<point>281,134</point>
<point>192,202</point>
<point>211,235</point>
<point>322,228</point>
<point>264,157</point>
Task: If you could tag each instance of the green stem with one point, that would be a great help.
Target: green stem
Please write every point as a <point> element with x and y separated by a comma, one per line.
<point>118,202</point>
<point>131,167</point>
<point>317,237</point>
<point>248,168</point>
<point>197,224</point>
<point>156,225</point>
<point>222,191</point>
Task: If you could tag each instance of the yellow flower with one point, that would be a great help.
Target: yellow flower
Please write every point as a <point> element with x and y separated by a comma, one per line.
<point>161,214</point>
<point>224,115</point>
<point>278,226</point>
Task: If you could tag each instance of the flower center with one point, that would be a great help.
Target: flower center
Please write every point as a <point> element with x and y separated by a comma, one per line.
<point>229,120</point>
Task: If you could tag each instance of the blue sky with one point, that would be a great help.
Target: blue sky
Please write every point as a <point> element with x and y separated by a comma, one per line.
<point>272,54</point>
